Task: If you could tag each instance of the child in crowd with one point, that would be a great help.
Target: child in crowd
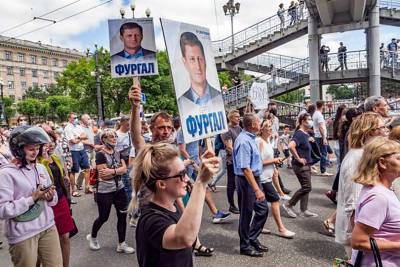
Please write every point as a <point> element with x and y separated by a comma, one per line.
<point>284,140</point>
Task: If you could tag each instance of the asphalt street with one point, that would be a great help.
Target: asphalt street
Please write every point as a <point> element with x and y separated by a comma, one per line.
<point>310,247</point>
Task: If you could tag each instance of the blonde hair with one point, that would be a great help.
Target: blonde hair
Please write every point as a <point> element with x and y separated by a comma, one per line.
<point>264,124</point>
<point>361,129</point>
<point>152,162</point>
<point>368,170</point>
<point>395,134</point>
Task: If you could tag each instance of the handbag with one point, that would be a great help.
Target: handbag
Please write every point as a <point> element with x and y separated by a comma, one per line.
<point>375,252</point>
<point>32,213</point>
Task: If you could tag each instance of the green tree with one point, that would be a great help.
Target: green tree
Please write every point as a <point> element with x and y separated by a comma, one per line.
<point>225,78</point>
<point>296,96</point>
<point>340,91</point>
<point>29,107</point>
<point>8,108</point>
<point>35,92</point>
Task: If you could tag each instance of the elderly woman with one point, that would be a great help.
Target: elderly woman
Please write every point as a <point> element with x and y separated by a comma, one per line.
<point>363,128</point>
<point>378,210</point>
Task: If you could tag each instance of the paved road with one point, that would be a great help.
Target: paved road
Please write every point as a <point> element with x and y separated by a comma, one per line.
<point>308,248</point>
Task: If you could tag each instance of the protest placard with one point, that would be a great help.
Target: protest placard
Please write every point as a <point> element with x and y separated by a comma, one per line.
<point>194,73</point>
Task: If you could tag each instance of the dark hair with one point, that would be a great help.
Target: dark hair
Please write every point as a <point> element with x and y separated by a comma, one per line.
<point>162,114</point>
<point>189,38</point>
<point>311,109</point>
<point>350,114</point>
<point>20,117</point>
<point>130,25</point>
<point>286,126</point>
<point>338,115</point>
<point>248,120</point>
<point>320,103</point>
<point>302,118</point>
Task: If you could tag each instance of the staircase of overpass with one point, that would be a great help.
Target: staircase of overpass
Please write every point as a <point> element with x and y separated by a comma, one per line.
<point>267,34</point>
<point>296,75</point>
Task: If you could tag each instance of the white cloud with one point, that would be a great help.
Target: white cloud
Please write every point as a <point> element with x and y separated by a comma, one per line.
<point>83,30</point>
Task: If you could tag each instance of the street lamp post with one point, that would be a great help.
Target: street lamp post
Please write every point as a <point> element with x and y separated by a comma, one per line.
<point>96,73</point>
<point>231,9</point>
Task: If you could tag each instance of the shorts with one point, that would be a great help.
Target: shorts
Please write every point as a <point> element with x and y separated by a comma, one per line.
<point>62,216</point>
<point>80,160</point>
<point>286,152</point>
<point>270,192</point>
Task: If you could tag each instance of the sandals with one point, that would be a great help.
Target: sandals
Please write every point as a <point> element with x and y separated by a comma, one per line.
<point>329,228</point>
<point>203,251</point>
<point>76,194</point>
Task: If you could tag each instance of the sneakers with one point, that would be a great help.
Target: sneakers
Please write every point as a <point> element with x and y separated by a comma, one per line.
<point>308,213</point>
<point>93,243</point>
<point>286,197</point>
<point>220,217</point>
<point>124,248</point>
<point>234,210</point>
<point>289,210</point>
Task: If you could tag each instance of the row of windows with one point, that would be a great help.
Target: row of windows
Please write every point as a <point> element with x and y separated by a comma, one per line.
<point>22,71</point>
<point>10,85</point>
<point>8,55</point>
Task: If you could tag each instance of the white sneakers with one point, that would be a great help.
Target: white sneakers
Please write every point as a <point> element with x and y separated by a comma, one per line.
<point>308,213</point>
<point>121,248</point>
<point>93,243</point>
<point>289,210</point>
<point>124,248</point>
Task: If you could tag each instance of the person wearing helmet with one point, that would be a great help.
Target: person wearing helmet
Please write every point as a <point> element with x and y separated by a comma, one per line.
<point>110,191</point>
<point>26,198</point>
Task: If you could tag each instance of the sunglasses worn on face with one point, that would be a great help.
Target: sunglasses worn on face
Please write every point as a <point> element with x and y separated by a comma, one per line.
<point>181,175</point>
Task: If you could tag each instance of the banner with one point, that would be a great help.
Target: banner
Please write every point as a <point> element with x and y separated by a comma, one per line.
<point>132,47</point>
<point>258,95</point>
<point>197,88</point>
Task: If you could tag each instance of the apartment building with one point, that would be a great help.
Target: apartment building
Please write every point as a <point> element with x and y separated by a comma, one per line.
<point>25,64</point>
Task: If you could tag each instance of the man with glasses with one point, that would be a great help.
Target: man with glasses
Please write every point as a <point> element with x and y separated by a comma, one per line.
<point>75,134</point>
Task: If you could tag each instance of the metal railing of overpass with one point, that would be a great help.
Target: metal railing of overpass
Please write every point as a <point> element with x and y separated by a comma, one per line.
<point>390,4</point>
<point>269,26</point>
<point>278,61</point>
<point>293,73</point>
<point>254,32</point>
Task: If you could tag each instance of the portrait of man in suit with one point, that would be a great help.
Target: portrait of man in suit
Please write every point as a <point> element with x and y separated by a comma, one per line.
<point>200,91</point>
<point>131,35</point>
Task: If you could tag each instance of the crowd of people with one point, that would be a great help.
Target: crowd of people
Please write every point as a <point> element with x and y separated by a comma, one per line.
<point>295,12</point>
<point>159,184</point>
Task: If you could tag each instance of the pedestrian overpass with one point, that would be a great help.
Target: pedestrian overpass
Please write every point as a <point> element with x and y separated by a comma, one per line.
<point>267,35</point>
<point>296,75</point>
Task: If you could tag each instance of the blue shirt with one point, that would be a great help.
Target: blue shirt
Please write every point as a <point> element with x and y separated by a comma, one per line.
<point>246,154</point>
<point>203,100</point>
<point>138,54</point>
<point>192,148</point>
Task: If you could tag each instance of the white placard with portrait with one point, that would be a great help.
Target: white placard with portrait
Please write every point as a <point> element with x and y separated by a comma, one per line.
<point>197,88</point>
<point>132,47</point>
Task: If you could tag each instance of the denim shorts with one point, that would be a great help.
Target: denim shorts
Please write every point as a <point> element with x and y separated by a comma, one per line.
<point>80,160</point>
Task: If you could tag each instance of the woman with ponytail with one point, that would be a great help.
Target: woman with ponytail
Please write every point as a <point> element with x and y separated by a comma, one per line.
<point>164,235</point>
<point>110,191</point>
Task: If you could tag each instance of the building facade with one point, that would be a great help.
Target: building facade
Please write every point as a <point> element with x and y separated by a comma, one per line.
<point>25,64</point>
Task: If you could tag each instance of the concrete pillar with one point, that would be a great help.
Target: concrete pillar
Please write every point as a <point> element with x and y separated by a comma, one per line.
<point>313,51</point>
<point>373,52</point>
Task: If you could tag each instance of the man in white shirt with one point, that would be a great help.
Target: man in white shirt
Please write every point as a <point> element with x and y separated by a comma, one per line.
<point>321,136</point>
<point>88,145</point>
<point>124,145</point>
<point>76,135</point>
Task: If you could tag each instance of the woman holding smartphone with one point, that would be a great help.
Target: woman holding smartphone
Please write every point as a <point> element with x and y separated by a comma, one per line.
<point>26,198</point>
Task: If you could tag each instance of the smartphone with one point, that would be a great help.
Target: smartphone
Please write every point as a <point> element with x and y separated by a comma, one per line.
<point>46,188</point>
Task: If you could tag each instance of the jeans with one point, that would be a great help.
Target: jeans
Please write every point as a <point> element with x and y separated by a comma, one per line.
<point>324,154</point>
<point>126,179</point>
<point>104,203</point>
<point>249,229</point>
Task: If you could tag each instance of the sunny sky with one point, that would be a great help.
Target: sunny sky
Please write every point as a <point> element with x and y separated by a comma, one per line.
<point>86,29</point>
